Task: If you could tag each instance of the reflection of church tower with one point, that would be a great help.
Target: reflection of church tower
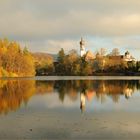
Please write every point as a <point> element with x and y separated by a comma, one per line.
<point>82,48</point>
<point>82,101</point>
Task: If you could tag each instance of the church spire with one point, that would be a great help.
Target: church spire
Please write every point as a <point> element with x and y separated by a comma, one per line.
<point>82,47</point>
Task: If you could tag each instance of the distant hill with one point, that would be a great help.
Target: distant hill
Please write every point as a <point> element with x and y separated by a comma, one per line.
<point>40,56</point>
<point>54,56</point>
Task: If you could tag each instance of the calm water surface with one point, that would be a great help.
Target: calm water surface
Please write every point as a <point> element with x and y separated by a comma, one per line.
<point>69,109</point>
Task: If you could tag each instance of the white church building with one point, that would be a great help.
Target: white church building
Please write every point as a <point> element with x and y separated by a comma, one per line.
<point>82,48</point>
<point>90,56</point>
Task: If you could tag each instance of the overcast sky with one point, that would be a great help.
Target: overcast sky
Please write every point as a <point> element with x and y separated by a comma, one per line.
<point>48,25</point>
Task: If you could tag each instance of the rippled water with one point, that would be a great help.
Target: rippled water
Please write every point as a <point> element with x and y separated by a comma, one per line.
<point>45,108</point>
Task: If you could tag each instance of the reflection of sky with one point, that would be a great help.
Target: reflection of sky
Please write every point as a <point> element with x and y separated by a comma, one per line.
<point>52,102</point>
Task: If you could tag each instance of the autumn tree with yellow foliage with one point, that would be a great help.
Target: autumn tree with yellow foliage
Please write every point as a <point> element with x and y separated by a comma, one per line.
<point>15,62</point>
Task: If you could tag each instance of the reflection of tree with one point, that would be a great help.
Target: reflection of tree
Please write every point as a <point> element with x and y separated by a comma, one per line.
<point>60,85</point>
<point>13,93</point>
<point>101,89</point>
<point>69,88</point>
<point>43,87</point>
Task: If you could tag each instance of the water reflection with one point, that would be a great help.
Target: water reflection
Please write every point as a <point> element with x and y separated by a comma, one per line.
<point>14,93</point>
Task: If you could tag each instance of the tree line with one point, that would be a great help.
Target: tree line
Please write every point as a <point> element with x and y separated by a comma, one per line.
<point>18,62</point>
<point>73,64</point>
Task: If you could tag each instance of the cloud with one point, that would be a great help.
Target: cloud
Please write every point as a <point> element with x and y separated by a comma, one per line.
<point>52,46</point>
<point>131,43</point>
<point>27,27</point>
<point>48,25</point>
<point>50,19</point>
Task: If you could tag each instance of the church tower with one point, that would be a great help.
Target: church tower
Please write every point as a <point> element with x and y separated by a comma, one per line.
<point>82,48</point>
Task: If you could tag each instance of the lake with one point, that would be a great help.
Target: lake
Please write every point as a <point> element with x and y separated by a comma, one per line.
<point>70,108</point>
